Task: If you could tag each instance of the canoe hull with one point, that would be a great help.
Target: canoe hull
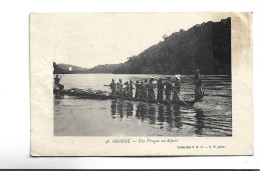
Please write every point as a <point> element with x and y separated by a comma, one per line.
<point>165,102</point>
<point>105,96</point>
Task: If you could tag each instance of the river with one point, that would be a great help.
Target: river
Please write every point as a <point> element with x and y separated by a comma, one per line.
<point>88,117</point>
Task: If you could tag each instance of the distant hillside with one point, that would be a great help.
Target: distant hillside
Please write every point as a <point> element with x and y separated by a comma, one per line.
<point>206,46</point>
<point>108,68</point>
<point>64,69</point>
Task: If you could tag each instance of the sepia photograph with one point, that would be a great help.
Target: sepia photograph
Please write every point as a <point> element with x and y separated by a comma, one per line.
<point>122,76</point>
<point>159,83</point>
<point>130,84</point>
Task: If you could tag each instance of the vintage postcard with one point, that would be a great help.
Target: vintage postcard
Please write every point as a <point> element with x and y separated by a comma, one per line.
<point>141,84</point>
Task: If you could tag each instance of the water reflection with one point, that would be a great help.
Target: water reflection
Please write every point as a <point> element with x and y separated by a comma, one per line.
<point>120,109</point>
<point>159,116</point>
<point>151,114</point>
<point>58,96</point>
<point>129,109</point>
<point>199,121</point>
<point>171,118</point>
<point>177,117</point>
<point>141,111</point>
<point>113,110</point>
<point>143,119</point>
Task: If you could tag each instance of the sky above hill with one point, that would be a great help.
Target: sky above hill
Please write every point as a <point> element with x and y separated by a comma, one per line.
<point>90,39</point>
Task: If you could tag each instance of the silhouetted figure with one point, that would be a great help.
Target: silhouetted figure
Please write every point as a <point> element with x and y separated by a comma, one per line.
<point>57,83</point>
<point>142,90</point>
<point>113,87</point>
<point>119,88</point>
<point>146,84</point>
<point>160,88</point>
<point>126,89</point>
<point>137,89</point>
<point>131,87</point>
<point>177,88</point>
<point>168,88</point>
<point>150,89</point>
<point>199,94</point>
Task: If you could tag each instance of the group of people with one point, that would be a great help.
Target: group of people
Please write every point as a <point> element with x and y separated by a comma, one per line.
<point>146,89</point>
<point>150,88</point>
<point>155,88</point>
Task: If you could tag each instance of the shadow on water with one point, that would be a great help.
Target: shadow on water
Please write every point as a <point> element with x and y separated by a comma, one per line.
<point>129,109</point>
<point>56,96</point>
<point>141,112</point>
<point>212,119</point>
<point>169,118</point>
<point>199,121</point>
<point>177,117</point>
<point>159,116</point>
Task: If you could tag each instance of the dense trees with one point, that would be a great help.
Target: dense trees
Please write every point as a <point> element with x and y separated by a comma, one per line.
<point>64,69</point>
<point>206,46</point>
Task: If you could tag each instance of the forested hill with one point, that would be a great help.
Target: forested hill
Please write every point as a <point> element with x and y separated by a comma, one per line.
<point>108,68</point>
<point>206,46</point>
<point>64,69</point>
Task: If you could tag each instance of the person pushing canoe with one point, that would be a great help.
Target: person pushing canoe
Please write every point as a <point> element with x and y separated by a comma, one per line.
<point>131,87</point>
<point>142,90</point>
<point>150,89</point>
<point>146,84</point>
<point>120,88</point>
<point>112,85</point>
<point>177,88</point>
<point>169,85</point>
<point>126,89</point>
<point>160,88</point>
<point>199,94</point>
<point>137,89</point>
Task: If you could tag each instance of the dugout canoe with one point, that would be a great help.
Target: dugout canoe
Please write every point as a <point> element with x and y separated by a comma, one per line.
<point>102,95</point>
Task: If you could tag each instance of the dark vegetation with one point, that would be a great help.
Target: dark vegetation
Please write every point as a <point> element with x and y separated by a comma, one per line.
<point>206,46</point>
<point>64,69</point>
<point>108,68</point>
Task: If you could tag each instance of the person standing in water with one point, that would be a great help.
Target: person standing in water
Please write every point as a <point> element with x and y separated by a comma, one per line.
<point>131,87</point>
<point>113,87</point>
<point>142,90</point>
<point>146,84</point>
<point>57,82</point>
<point>126,89</point>
<point>137,89</point>
<point>160,88</point>
<point>177,88</point>
<point>150,88</point>
<point>199,94</point>
<point>120,88</point>
<point>169,85</point>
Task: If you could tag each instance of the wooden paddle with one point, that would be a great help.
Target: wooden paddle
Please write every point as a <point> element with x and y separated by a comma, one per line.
<point>180,97</point>
<point>154,98</point>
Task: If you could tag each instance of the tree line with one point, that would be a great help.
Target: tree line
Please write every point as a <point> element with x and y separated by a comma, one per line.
<point>206,46</point>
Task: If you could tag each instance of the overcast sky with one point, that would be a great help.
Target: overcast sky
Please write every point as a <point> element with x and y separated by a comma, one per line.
<point>87,40</point>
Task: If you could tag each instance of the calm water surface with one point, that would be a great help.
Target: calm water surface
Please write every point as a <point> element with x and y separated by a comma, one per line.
<point>86,117</point>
